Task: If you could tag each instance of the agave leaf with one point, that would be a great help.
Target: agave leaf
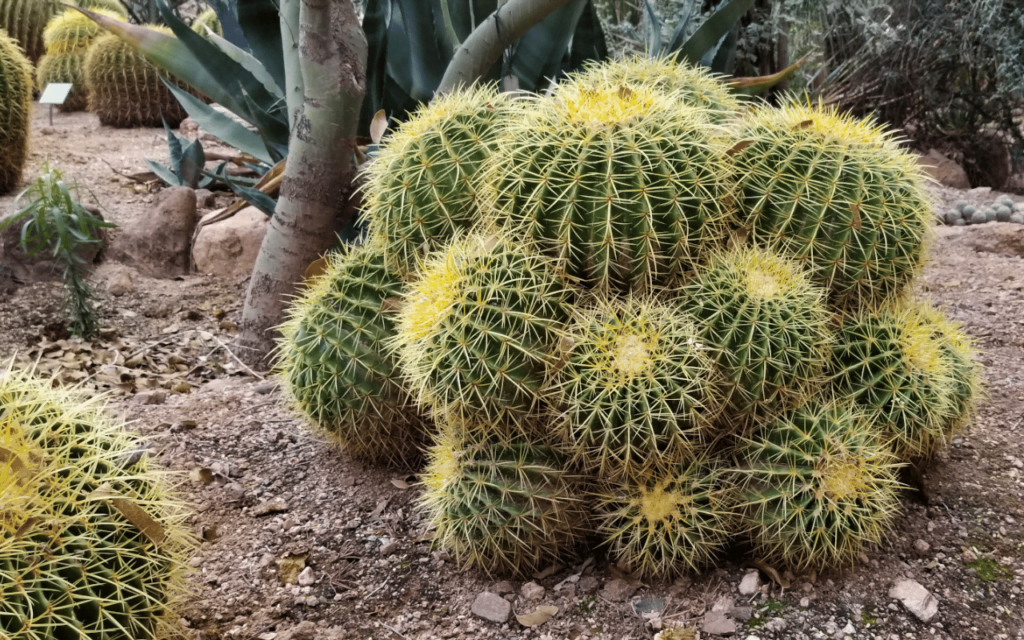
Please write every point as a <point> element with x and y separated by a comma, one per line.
<point>376,30</point>
<point>220,126</point>
<point>174,146</point>
<point>713,29</point>
<point>273,130</point>
<point>760,84</point>
<point>588,42</point>
<point>193,163</point>
<point>426,63</point>
<point>251,64</point>
<point>447,38</point>
<point>255,197</point>
<point>165,174</point>
<point>676,41</point>
<point>540,52</point>
<point>722,58</point>
<point>228,22</point>
<point>653,31</point>
<point>261,23</point>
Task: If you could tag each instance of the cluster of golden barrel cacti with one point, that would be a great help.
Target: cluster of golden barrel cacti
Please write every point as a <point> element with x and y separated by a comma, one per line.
<point>639,313</point>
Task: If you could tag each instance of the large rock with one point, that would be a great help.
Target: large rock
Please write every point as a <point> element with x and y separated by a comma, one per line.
<point>157,244</point>
<point>944,170</point>
<point>41,266</point>
<point>229,247</point>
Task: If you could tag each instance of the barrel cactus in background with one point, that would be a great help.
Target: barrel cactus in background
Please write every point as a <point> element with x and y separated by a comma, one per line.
<point>93,542</point>
<point>125,89</point>
<point>837,194</point>
<point>766,325</point>
<point>504,506</point>
<point>478,331</point>
<point>666,522</point>
<point>24,21</point>
<point>816,487</point>
<point>420,190</point>
<point>67,38</point>
<point>625,185</point>
<point>639,388</point>
<point>335,366</point>
<point>207,20</point>
<point>891,364</point>
<point>15,111</point>
<point>689,85</point>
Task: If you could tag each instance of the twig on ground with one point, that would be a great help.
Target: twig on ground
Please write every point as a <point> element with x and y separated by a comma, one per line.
<point>243,365</point>
<point>394,631</point>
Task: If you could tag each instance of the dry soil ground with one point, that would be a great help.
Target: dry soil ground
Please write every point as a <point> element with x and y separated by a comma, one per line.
<point>270,497</point>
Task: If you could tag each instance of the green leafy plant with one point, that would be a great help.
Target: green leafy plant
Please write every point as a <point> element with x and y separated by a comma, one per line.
<point>53,219</point>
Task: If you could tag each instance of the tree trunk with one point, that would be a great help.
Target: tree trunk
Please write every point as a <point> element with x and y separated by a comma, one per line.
<point>318,177</point>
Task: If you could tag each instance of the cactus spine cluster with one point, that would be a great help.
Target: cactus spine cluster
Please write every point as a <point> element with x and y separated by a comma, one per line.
<point>420,190</point>
<point>207,20</point>
<point>125,89</point>
<point>92,542</point>
<point>24,21</point>
<point>837,194</point>
<point>67,38</point>
<point>818,487</point>
<point>767,326</point>
<point>336,368</point>
<point>624,185</point>
<point>639,389</point>
<point>15,111</point>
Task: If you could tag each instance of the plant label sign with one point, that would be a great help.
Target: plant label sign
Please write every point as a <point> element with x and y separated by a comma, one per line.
<point>55,93</point>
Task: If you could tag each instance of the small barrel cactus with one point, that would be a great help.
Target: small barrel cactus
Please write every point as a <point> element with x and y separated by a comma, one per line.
<point>16,85</point>
<point>67,38</point>
<point>504,506</point>
<point>666,522</point>
<point>625,185</point>
<point>420,190</point>
<point>767,327</point>
<point>951,217</point>
<point>24,21</point>
<point>93,542</point>
<point>639,388</point>
<point>479,330</point>
<point>990,214</point>
<point>837,194</point>
<point>961,205</point>
<point>689,85</point>
<point>959,222</point>
<point>1016,218</point>
<point>335,365</point>
<point>816,487</point>
<point>125,89</point>
<point>1003,214</point>
<point>979,217</point>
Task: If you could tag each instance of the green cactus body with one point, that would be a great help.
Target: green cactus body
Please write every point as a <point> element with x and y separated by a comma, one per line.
<point>639,389</point>
<point>65,67</point>
<point>1016,219</point>
<point>420,190</point>
<point>961,205</point>
<point>207,20</point>
<point>15,111</point>
<point>951,217</point>
<point>959,222</point>
<point>890,363</point>
<point>694,86</point>
<point>626,186</point>
<point>663,523</point>
<point>478,331</point>
<point>335,366</point>
<point>767,325</point>
<point>969,211</point>
<point>504,506</point>
<point>1003,214</point>
<point>92,543</point>
<point>960,359</point>
<point>67,38</point>
<point>125,89</point>
<point>818,487</point>
<point>24,21</point>
<point>990,214</point>
<point>979,217</point>
<point>837,194</point>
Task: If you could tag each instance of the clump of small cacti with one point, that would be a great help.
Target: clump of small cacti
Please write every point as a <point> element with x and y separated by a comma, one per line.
<point>665,522</point>
<point>67,38</point>
<point>336,367</point>
<point>16,85</point>
<point>125,89</point>
<point>639,388</point>
<point>816,487</point>
<point>504,506</point>
<point>478,332</point>
<point>420,190</point>
<point>24,21</point>
<point>767,326</point>
<point>687,84</point>
<point>93,542</point>
<point>837,194</point>
<point>626,186</point>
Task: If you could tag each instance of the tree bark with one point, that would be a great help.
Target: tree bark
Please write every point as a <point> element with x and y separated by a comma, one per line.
<point>319,173</point>
<point>492,36</point>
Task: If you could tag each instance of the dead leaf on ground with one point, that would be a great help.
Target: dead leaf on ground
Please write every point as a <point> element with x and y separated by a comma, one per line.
<point>289,566</point>
<point>400,484</point>
<point>539,616</point>
<point>550,571</point>
<point>202,475</point>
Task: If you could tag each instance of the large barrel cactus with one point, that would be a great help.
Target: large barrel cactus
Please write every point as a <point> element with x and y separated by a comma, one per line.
<point>125,89</point>
<point>816,487</point>
<point>837,194</point>
<point>24,21</point>
<point>67,38</point>
<point>479,330</point>
<point>92,543</point>
<point>15,111</point>
<point>335,365</point>
<point>625,185</point>
<point>420,190</point>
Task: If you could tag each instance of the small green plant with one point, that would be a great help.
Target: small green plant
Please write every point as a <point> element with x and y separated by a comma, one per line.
<point>52,218</point>
<point>990,570</point>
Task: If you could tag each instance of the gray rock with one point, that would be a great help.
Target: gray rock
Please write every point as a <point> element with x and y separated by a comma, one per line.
<point>277,505</point>
<point>717,623</point>
<point>944,171</point>
<point>532,591</point>
<point>778,625</point>
<point>120,283</point>
<point>150,397</point>
<point>158,243</point>
<point>805,603</point>
<point>921,547</point>
<point>588,584</point>
<point>750,584</point>
<point>265,387</point>
<point>491,606</point>
<point>503,587</point>
<point>306,578</point>
<point>617,590</point>
<point>229,247</point>
<point>205,198</point>
<point>916,599</point>
<point>724,604</point>
<point>742,614</point>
